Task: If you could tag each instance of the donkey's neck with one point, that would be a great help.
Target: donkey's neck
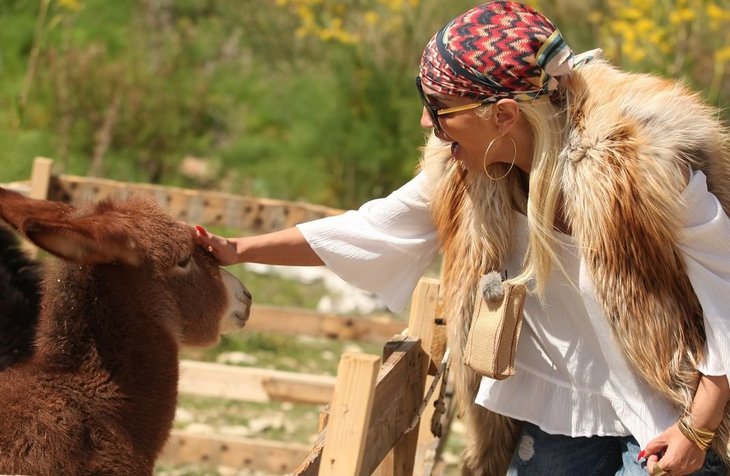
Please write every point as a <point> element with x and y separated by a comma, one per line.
<point>88,315</point>
<point>94,330</point>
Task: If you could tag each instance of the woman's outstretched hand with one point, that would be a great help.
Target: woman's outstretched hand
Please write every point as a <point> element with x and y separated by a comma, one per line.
<point>223,249</point>
<point>284,247</point>
<point>674,453</point>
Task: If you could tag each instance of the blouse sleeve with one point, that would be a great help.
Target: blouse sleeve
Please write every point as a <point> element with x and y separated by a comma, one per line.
<point>705,242</point>
<point>382,247</point>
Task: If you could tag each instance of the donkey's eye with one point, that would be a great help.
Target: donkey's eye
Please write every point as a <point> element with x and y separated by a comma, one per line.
<point>184,262</point>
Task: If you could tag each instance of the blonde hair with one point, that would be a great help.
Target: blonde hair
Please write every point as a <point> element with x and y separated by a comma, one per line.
<point>548,122</point>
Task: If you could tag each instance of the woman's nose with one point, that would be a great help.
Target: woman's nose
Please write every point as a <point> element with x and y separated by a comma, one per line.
<point>426,121</point>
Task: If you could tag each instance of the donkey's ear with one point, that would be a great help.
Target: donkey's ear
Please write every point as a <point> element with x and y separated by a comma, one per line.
<point>87,240</point>
<point>16,208</point>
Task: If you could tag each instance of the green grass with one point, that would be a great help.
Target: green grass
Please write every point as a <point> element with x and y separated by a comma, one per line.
<point>280,421</point>
<point>278,291</point>
<point>282,352</point>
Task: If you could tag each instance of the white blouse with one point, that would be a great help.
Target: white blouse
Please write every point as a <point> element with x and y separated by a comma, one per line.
<point>571,378</point>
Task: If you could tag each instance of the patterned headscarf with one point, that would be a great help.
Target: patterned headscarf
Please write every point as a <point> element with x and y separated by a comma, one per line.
<point>497,50</point>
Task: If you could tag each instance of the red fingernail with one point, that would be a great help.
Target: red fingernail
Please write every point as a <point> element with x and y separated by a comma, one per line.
<point>641,455</point>
<point>201,230</point>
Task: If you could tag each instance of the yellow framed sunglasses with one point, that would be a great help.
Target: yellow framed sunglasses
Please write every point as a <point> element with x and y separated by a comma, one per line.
<point>434,112</point>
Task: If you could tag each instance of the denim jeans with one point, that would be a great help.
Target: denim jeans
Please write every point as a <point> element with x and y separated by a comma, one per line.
<point>542,454</point>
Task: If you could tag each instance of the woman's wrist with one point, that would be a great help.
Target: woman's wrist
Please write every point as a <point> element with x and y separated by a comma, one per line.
<point>707,412</point>
<point>701,437</point>
<point>241,249</point>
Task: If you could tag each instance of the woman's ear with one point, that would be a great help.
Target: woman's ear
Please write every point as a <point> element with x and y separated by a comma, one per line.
<point>505,113</point>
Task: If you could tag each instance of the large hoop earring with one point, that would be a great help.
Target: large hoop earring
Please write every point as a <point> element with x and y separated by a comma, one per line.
<point>486,152</point>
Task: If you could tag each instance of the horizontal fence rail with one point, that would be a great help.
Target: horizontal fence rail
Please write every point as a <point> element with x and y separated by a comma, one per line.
<point>253,384</point>
<point>203,207</point>
<point>290,321</point>
<point>245,453</point>
<point>198,206</point>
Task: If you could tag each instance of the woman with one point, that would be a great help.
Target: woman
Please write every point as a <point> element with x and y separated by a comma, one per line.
<point>607,193</point>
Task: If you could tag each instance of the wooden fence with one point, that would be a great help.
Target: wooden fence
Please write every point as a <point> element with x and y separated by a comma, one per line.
<point>380,410</point>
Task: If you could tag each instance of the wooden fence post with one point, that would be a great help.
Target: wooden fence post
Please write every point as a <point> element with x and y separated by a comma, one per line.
<point>349,418</point>
<point>408,454</point>
<point>40,178</point>
<point>422,323</point>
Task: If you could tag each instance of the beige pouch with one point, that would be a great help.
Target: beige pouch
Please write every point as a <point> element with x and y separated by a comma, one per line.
<point>495,327</point>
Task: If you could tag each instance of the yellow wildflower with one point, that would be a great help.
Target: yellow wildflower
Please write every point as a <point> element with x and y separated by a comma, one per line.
<point>634,53</point>
<point>631,13</point>
<point>722,55</point>
<point>371,18</point>
<point>717,16</point>
<point>645,25</point>
<point>595,17</point>
<point>73,5</point>
<point>684,15</point>
<point>717,13</point>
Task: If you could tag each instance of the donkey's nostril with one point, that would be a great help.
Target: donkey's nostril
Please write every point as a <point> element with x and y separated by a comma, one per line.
<point>247,294</point>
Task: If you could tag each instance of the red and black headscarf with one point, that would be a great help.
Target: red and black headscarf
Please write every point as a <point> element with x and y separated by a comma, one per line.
<point>497,50</point>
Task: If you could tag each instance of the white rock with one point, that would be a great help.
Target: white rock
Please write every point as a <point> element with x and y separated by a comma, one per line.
<point>236,358</point>
<point>343,297</point>
<point>184,416</point>
<point>199,428</point>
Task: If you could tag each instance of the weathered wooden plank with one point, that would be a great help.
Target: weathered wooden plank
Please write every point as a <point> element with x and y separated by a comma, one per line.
<point>422,317</point>
<point>40,178</point>
<point>407,456</point>
<point>271,456</point>
<point>40,182</point>
<point>253,384</point>
<point>350,410</point>
<point>197,206</point>
<point>396,401</point>
<point>290,321</point>
<point>422,323</point>
<point>387,466</point>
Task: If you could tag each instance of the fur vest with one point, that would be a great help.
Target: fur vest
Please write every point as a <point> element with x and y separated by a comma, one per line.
<point>629,139</point>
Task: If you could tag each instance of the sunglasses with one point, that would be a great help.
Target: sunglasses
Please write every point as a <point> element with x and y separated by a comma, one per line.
<point>434,112</point>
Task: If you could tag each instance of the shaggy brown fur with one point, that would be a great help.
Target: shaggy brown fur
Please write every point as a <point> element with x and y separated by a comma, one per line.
<point>461,205</point>
<point>633,153</point>
<point>99,394</point>
<point>629,140</point>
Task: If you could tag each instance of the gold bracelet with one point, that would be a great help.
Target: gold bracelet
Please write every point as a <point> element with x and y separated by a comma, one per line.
<point>699,436</point>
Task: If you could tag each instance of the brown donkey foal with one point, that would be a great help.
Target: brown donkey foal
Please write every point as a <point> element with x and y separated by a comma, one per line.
<point>98,395</point>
